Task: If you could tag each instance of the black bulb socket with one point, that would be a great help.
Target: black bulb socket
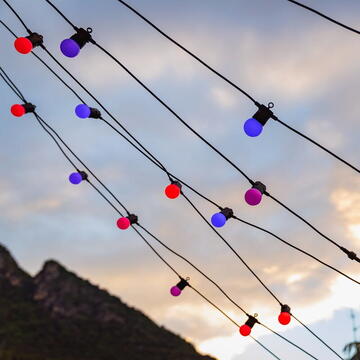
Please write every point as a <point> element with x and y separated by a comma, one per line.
<point>285,308</point>
<point>259,186</point>
<point>177,183</point>
<point>94,113</point>
<point>81,37</point>
<point>251,321</point>
<point>29,108</point>
<point>227,212</point>
<point>36,39</point>
<point>182,284</point>
<point>84,175</point>
<point>263,114</point>
<point>133,219</point>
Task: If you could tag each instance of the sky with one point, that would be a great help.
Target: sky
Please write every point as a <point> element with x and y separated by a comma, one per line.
<point>278,52</point>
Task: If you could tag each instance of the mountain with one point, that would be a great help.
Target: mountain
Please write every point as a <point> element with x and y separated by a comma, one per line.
<point>58,316</point>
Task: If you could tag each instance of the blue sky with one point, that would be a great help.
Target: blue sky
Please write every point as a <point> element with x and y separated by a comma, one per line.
<point>308,67</point>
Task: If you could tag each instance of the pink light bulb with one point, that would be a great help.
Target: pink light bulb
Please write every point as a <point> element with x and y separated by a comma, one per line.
<point>175,291</point>
<point>253,197</point>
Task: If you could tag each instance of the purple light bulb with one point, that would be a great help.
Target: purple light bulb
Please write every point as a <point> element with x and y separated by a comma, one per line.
<point>253,197</point>
<point>82,111</point>
<point>75,178</point>
<point>175,291</point>
<point>70,48</point>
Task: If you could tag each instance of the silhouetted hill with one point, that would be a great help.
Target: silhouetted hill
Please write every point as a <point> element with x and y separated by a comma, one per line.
<point>58,316</point>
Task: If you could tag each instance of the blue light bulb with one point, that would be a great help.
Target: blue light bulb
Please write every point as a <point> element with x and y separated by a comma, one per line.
<point>252,127</point>
<point>82,111</point>
<point>70,48</point>
<point>75,178</point>
<point>218,220</point>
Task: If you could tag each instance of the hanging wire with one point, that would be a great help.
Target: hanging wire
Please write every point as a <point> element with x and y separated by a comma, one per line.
<point>351,255</point>
<point>170,175</point>
<point>231,83</point>
<point>39,119</point>
<point>44,125</point>
<point>324,16</point>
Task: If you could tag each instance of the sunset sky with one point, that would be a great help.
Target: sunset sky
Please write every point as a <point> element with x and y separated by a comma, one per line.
<point>276,51</point>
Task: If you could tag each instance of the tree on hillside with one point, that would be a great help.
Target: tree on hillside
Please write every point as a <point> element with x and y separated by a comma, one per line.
<point>349,348</point>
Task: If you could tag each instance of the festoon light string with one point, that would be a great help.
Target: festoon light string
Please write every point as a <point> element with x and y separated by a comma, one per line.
<point>173,190</point>
<point>258,189</point>
<point>126,221</point>
<point>90,112</point>
<point>284,317</point>
<point>176,290</point>
<point>254,126</point>
<point>253,195</point>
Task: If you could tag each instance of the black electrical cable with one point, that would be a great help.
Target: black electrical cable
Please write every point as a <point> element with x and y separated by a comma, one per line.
<point>351,255</point>
<point>170,175</point>
<point>237,87</point>
<point>44,125</point>
<point>323,16</point>
<point>43,122</point>
<point>232,249</point>
<point>254,274</point>
<point>322,341</point>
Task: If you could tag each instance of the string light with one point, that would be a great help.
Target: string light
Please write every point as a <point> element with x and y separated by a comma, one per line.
<point>173,190</point>
<point>24,45</point>
<point>350,254</point>
<point>245,330</point>
<point>179,287</point>
<point>83,112</point>
<point>254,126</point>
<point>71,47</point>
<point>42,121</point>
<point>77,177</point>
<point>125,222</point>
<point>20,110</point>
<point>254,195</point>
<point>219,219</point>
<point>237,87</point>
<point>285,315</point>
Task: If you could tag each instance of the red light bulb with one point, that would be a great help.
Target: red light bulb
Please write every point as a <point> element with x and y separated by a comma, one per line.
<point>123,223</point>
<point>23,45</point>
<point>284,318</point>
<point>172,191</point>
<point>245,330</point>
<point>18,110</point>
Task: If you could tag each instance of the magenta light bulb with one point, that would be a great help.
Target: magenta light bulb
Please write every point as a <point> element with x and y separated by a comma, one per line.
<point>179,287</point>
<point>175,291</point>
<point>253,197</point>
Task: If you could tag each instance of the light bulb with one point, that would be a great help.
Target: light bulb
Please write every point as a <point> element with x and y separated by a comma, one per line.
<point>18,110</point>
<point>218,220</point>
<point>23,45</point>
<point>284,318</point>
<point>245,330</point>
<point>175,291</point>
<point>179,287</point>
<point>123,223</point>
<point>252,127</point>
<point>253,197</point>
<point>71,47</point>
<point>285,315</point>
<point>82,111</point>
<point>173,191</point>
<point>76,178</point>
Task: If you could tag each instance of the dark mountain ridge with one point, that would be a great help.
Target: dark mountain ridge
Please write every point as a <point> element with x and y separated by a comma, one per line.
<point>58,316</point>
